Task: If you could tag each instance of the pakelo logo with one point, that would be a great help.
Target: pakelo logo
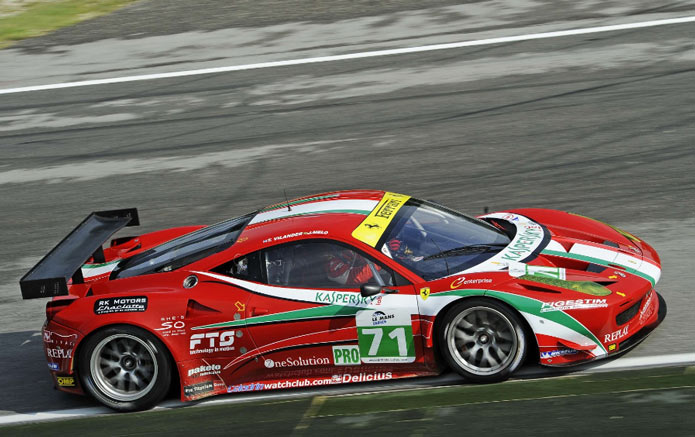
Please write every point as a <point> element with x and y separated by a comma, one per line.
<point>381,318</point>
<point>216,342</point>
<point>211,369</point>
<point>346,355</point>
<point>577,304</point>
<point>296,362</point>
<point>134,304</point>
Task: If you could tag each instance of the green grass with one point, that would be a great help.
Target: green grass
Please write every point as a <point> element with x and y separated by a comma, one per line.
<point>619,403</point>
<point>41,17</point>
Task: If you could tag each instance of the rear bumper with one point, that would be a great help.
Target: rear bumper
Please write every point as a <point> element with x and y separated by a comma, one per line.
<point>60,345</point>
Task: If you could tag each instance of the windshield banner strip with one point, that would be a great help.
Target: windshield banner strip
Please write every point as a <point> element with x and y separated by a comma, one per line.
<point>372,228</point>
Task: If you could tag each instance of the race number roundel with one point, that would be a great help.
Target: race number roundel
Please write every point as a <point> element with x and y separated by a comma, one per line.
<point>385,337</point>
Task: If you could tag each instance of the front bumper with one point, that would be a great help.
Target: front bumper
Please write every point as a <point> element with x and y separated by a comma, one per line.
<point>651,314</point>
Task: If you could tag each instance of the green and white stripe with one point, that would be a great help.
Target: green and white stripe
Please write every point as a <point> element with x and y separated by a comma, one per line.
<point>607,257</point>
<point>552,323</point>
<point>354,206</point>
<point>92,270</point>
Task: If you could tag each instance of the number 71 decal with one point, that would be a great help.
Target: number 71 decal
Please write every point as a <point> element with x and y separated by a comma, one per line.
<point>385,337</point>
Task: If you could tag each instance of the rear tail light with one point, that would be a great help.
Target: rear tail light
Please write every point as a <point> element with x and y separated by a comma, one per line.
<point>55,306</point>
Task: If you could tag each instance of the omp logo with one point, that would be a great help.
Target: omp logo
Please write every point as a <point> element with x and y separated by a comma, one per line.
<point>65,381</point>
<point>216,342</point>
<point>346,355</point>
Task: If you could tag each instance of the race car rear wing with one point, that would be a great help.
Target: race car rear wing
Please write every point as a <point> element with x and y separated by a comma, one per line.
<point>49,277</point>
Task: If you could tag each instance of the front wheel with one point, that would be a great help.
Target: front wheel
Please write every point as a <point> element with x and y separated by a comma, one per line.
<point>483,340</point>
<point>125,368</point>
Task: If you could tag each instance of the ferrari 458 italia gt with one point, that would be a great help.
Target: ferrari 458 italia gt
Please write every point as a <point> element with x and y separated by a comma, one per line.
<point>336,288</point>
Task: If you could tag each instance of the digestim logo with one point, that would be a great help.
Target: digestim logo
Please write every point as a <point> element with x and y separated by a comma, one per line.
<point>346,355</point>
<point>65,381</point>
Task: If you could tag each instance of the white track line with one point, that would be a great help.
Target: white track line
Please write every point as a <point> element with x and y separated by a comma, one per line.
<point>618,364</point>
<point>359,55</point>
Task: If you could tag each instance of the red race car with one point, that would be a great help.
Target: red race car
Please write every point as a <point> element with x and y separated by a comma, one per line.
<point>339,287</point>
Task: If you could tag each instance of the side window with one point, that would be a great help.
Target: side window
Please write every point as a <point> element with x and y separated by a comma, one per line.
<point>245,267</point>
<point>314,264</point>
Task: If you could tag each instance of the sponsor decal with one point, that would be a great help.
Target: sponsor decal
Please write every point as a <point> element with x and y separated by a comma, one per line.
<point>371,229</point>
<point>577,304</point>
<point>346,355</point>
<point>211,342</point>
<point>648,308</point>
<point>294,235</point>
<point>343,298</point>
<point>558,353</point>
<point>456,283</point>
<point>517,270</point>
<point>253,386</point>
<point>614,336</point>
<point>54,366</point>
<point>171,326</point>
<point>425,293</point>
<point>296,362</point>
<point>611,347</point>
<point>366,377</point>
<point>524,243</point>
<point>133,304</point>
<point>621,274</point>
<point>54,337</point>
<point>381,318</point>
<point>210,369</point>
<point>198,389</point>
<point>65,381</point>
<point>59,353</point>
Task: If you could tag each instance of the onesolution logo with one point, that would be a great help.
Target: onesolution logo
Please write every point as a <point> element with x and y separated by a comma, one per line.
<point>296,362</point>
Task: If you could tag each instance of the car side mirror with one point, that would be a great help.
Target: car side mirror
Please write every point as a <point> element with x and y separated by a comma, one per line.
<point>367,290</point>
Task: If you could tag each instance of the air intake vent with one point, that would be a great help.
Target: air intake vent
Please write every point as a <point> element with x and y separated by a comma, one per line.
<point>628,314</point>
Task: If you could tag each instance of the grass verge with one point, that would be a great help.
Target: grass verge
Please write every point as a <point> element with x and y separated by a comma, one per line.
<point>37,18</point>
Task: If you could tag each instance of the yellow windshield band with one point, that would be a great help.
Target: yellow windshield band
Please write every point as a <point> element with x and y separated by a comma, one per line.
<point>373,227</point>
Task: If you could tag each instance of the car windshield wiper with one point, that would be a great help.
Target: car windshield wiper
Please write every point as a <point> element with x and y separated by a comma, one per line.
<point>472,248</point>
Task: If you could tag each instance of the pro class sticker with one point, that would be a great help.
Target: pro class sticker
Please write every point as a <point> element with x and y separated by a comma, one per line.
<point>111,305</point>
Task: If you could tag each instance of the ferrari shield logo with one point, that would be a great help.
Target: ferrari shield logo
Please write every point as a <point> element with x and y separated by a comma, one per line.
<point>425,293</point>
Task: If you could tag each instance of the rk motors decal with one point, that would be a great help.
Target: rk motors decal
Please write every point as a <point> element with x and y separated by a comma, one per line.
<point>133,304</point>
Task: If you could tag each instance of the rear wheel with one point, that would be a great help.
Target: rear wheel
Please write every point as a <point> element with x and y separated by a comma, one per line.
<point>125,368</point>
<point>483,340</point>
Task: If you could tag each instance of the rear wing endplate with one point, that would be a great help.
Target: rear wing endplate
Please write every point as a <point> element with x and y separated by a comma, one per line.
<point>49,277</point>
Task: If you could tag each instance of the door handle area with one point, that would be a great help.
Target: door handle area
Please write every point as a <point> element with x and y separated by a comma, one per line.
<point>389,290</point>
<point>255,311</point>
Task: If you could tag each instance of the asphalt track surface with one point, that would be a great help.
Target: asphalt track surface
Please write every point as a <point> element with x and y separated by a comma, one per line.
<point>598,124</point>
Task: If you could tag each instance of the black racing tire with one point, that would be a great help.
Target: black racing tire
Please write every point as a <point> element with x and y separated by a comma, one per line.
<point>125,368</point>
<point>483,340</point>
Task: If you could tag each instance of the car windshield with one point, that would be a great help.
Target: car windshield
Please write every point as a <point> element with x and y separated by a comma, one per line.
<point>433,241</point>
<point>183,250</point>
